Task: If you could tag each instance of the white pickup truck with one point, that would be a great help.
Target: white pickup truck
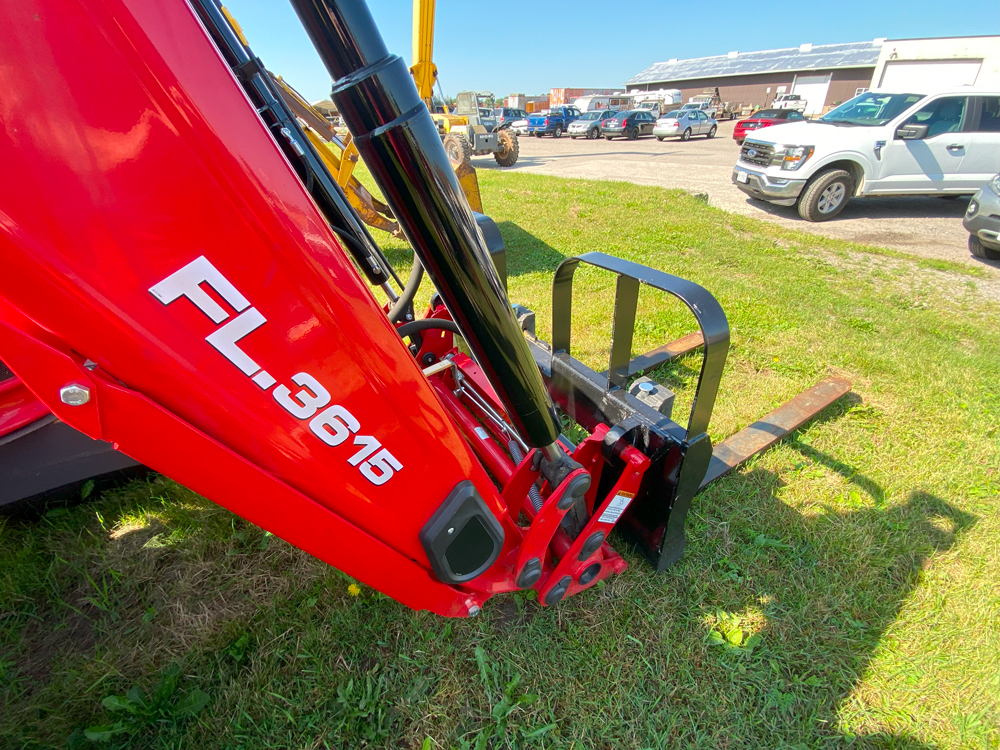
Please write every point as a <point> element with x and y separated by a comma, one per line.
<point>877,144</point>
<point>789,101</point>
<point>707,107</point>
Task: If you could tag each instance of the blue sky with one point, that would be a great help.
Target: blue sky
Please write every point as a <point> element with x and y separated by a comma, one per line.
<point>529,47</point>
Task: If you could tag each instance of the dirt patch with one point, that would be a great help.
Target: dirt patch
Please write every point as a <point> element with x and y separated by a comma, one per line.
<point>55,636</point>
<point>902,276</point>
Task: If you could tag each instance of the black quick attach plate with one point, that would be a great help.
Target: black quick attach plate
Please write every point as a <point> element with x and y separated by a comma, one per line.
<point>679,457</point>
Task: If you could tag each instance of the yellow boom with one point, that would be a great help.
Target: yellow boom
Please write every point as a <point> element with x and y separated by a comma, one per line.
<point>423,69</point>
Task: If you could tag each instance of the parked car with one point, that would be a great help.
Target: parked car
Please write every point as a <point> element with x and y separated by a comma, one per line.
<point>684,123</point>
<point>628,124</point>
<point>505,116</point>
<point>764,119</point>
<point>553,121</point>
<point>589,124</point>
<point>520,127</point>
<point>877,144</point>
<point>982,219</point>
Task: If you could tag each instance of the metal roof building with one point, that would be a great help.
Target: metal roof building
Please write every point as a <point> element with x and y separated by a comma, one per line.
<point>822,74</point>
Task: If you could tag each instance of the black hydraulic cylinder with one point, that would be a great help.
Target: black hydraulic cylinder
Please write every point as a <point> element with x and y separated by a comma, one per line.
<point>399,143</point>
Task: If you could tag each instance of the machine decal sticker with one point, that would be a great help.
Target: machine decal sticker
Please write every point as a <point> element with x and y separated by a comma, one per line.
<point>616,507</point>
<point>333,425</point>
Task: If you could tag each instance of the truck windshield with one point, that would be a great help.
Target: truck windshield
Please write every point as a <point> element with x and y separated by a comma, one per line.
<point>870,109</point>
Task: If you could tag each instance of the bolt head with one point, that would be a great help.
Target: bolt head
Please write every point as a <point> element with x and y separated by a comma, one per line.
<point>474,610</point>
<point>647,387</point>
<point>74,394</point>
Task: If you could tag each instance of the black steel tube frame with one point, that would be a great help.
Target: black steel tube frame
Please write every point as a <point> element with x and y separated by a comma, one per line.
<point>293,141</point>
<point>679,457</point>
<point>399,142</point>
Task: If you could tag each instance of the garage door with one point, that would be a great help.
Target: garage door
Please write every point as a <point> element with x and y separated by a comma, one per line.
<point>813,90</point>
<point>926,76</point>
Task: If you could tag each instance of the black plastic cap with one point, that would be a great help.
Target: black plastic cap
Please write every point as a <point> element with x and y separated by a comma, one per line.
<point>530,573</point>
<point>557,592</point>
<point>463,538</point>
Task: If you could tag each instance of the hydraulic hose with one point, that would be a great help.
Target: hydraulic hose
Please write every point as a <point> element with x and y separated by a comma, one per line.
<point>401,305</point>
<point>422,325</point>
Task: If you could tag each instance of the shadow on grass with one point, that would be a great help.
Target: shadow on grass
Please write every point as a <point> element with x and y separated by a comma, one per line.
<point>525,252</point>
<point>836,581</point>
<point>845,470</point>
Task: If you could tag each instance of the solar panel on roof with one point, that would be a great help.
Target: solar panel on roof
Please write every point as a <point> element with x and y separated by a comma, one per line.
<point>819,57</point>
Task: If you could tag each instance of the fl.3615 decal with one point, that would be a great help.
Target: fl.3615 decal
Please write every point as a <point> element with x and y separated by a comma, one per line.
<point>333,425</point>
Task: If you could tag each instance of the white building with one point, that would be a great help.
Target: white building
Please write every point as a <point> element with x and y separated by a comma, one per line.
<point>920,65</point>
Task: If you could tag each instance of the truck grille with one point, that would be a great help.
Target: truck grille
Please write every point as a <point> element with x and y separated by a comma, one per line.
<point>5,373</point>
<point>761,155</point>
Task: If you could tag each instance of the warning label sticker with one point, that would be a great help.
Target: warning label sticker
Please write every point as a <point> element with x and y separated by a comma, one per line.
<point>616,507</point>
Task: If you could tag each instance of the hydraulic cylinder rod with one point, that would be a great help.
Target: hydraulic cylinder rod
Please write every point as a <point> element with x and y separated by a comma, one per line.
<point>399,143</point>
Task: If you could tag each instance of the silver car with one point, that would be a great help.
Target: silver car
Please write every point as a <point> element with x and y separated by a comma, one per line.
<point>982,219</point>
<point>684,123</point>
<point>589,124</point>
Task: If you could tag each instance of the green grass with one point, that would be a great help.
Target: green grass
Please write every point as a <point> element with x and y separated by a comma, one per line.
<point>840,590</point>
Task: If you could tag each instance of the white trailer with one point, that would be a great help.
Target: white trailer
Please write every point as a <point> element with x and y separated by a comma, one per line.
<point>658,102</point>
<point>615,102</point>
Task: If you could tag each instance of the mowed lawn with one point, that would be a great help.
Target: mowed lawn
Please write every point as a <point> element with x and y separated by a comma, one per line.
<point>839,591</point>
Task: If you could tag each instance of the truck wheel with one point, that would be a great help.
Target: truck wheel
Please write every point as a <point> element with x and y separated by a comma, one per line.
<point>537,135</point>
<point>508,149</point>
<point>458,149</point>
<point>978,249</point>
<point>686,135</point>
<point>557,132</point>
<point>633,134</point>
<point>826,195</point>
<point>711,133</point>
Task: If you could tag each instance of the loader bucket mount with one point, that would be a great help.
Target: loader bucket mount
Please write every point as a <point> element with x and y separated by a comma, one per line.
<point>682,458</point>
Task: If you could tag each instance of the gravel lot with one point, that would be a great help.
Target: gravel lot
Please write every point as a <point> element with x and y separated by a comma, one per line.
<point>930,227</point>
